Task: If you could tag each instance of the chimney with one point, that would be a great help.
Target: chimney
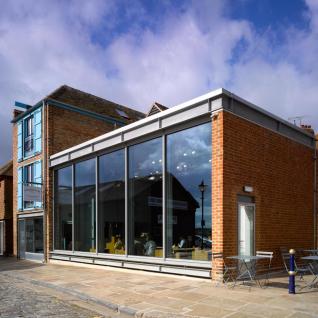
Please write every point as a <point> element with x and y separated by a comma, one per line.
<point>17,112</point>
<point>308,128</point>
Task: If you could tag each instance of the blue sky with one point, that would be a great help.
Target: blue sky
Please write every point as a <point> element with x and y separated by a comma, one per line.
<point>137,52</point>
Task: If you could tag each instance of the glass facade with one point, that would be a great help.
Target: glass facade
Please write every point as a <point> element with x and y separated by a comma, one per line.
<point>174,224</point>
<point>188,221</point>
<point>63,209</point>
<point>145,198</point>
<point>111,203</point>
<point>85,206</point>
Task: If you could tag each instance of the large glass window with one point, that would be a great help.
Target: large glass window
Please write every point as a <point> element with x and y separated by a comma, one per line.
<point>188,221</point>
<point>63,209</point>
<point>84,209</point>
<point>145,198</point>
<point>111,203</point>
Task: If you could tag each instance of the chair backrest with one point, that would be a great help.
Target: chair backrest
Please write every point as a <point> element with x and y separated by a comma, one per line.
<point>265,254</point>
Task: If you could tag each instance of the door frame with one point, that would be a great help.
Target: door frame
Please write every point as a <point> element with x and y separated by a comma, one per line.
<point>239,204</point>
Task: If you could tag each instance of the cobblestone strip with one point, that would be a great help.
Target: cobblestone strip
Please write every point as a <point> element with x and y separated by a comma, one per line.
<point>17,299</point>
<point>115,307</point>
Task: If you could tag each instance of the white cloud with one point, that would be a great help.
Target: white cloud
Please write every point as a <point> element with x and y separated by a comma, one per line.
<point>169,58</point>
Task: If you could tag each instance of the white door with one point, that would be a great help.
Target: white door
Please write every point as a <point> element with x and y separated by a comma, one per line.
<point>1,237</point>
<point>246,215</point>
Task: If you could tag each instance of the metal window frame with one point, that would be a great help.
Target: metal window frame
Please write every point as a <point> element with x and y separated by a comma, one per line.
<point>126,201</point>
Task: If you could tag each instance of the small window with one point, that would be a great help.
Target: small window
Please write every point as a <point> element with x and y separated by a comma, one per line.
<point>29,175</point>
<point>122,113</point>
<point>29,126</point>
<point>28,136</point>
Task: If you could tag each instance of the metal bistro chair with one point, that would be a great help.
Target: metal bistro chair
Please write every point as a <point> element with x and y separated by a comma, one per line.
<point>301,270</point>
<point>269,256</point>
<point>227,271</point>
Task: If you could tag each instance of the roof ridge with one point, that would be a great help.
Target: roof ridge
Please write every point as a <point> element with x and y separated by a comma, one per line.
<point>65,86</point>
<point>4,168</point>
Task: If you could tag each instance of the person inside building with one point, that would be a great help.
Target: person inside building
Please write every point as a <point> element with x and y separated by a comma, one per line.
<point>150,245</point>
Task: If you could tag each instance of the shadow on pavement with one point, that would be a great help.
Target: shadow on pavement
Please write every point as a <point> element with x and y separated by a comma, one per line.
<point>8,263</point>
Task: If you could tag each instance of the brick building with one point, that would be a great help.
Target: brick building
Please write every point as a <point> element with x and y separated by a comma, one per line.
<point>62,119</point>
<point>155,194</point>
<point>6,214</point>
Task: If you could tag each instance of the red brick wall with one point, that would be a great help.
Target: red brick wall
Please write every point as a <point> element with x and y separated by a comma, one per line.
<point>281,172</point>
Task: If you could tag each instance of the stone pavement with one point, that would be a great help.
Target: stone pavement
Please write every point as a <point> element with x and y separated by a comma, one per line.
<point>144,294</point>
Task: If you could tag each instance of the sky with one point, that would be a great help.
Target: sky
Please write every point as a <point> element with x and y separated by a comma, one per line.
<point>138,52</point>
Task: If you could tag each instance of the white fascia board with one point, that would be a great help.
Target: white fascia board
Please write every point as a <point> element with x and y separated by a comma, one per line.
<point>262,110</point>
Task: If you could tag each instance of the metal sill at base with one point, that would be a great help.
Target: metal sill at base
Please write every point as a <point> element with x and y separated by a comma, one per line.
<point>178,269</point>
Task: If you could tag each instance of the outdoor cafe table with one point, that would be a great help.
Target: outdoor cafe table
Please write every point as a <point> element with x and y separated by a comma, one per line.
<point>247,267</point>
<point>313,260</point>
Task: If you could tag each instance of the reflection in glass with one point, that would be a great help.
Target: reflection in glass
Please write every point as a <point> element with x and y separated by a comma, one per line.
<point>84,209</point>
<point>188,164</point>
<point>111,200</point>
<point>145,198</point>
<point>63,209</point>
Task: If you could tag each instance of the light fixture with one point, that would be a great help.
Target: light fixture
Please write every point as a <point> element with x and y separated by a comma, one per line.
<point>202,186</point>
<point>248,189</point>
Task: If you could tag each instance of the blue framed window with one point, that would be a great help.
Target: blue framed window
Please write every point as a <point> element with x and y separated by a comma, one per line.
<point>29,135</point>
<point>30,186</point>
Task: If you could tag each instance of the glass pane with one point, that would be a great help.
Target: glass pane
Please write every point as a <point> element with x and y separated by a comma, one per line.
<point>84,209</point>
<point>145,198</point>
<point>63,209</point>
<point>111,200</point>
<point>38,235</point>
<point>21,238</point>
<point>188,220</point>
<point>29,235</point>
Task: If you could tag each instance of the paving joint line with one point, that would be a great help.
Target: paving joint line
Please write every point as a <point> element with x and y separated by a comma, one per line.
<point>109,305</point>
